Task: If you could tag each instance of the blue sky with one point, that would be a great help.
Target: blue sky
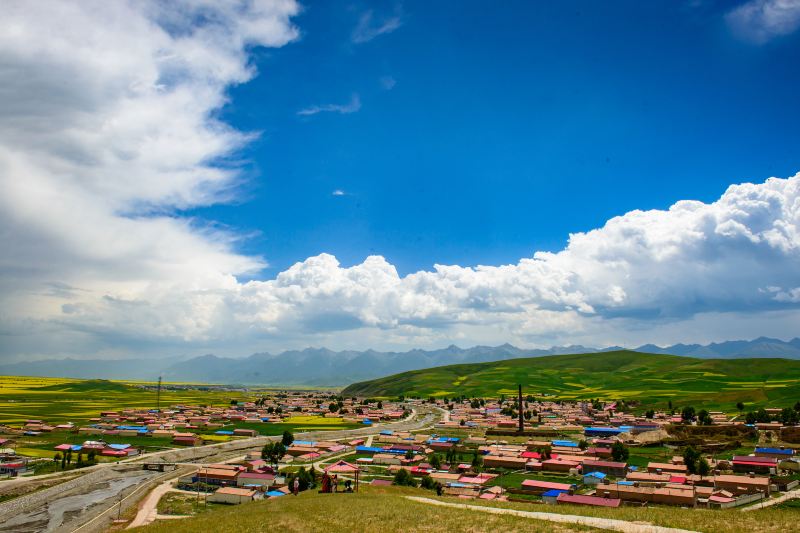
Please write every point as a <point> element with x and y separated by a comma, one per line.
<point>180,178</point>
<point>505,129</point>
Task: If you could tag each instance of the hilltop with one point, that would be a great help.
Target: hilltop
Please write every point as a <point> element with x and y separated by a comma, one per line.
<point>622,374</point>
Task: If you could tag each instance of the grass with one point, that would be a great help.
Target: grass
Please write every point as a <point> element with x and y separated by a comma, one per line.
<point>176,503</point>
<point>650,379</point>
<point>373,510</point>
<point>514,479</point>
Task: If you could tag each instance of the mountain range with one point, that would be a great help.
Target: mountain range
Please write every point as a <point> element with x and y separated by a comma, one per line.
<point>316,367</point>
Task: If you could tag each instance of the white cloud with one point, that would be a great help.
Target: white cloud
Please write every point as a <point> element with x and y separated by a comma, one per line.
<point>369,26</point>
<point>97,259</point>
<point>345,109</point>
<point>762,20</point>
<point>338,192</point>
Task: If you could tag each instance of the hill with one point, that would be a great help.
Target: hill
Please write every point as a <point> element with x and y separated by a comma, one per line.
<point>623,374</point>
<point>315,367</point>
<point>89,385</point>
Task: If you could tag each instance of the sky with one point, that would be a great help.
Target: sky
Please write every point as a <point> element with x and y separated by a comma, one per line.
<point>239,176</point>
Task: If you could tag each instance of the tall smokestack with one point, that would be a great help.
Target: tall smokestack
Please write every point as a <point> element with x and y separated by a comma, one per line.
<point>520,406</point>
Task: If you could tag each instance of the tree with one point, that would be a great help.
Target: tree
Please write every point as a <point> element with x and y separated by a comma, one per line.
<point>691,458</point>
<point>333,407</point>
<point>740,406</point>
<point>477,462</point>
<point>234,402</point>
<point>703,468</point>
<point>619,452</point>
<point>435,461</point>
<point>288,438</point>
<point>409,455</point>
<point>428,483</point>
<point>650,414</point>
<point>272,452</point>
<point>404,478</point>
<point>704,418</point>
<point>380,405</point>
<point>462,422</point>
<point>687,414</point>
<point>797,407</point>
<point>582,444</point>
<point>544,453</point>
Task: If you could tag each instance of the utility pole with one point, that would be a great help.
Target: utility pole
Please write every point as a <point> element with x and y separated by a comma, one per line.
<point>158,397</point>
<point>521,408</point>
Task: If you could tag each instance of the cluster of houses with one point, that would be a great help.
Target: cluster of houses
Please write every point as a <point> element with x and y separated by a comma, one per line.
<point>11,464</point>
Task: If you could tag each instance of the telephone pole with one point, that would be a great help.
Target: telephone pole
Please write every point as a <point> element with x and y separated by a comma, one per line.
<point>158,397</point>
<point>521,408</point>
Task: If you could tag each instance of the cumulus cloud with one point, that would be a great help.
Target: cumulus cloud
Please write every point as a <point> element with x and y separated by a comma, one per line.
<point>762,20</point>
<point>107,127</point>
<point>344,109</point>
<point>98,260</point>
<point>370,26</point>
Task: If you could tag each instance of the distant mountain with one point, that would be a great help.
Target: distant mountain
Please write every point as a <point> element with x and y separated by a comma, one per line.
<point>323,367</point>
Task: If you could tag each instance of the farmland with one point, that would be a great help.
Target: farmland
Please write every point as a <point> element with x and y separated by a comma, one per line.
<point>649,379</point>
<point>60,400</point>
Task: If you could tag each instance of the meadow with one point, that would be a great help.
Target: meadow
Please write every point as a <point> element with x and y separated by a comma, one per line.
<point>649,379</point>
<point>379,509</point>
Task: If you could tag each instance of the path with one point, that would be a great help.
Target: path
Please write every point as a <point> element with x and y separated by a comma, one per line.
<point>149,508</point>
<point>591,521</point>
<point>792,494</point>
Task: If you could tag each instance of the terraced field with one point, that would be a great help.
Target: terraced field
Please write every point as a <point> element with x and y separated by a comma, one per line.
<point>647,378</point>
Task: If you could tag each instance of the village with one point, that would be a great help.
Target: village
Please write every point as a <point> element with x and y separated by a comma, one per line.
<point>592,453</point>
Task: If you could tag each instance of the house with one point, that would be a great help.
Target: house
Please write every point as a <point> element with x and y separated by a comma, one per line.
<point>217,476</point>
<point>551,496</point>
<point>233,495</point>
<point>758,465</point>
<point>742,484</point>
<point>538,487</point>
<point>610,468</point>
<point>252,479</point>
<point>658,468</point>
<point>580,499</point>
<point>593,478</point>
<point>777,453</point>
<point>186,439</point>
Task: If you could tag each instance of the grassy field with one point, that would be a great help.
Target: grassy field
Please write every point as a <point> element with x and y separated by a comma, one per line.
<point>383,509</point>
<point>650,379</point>
<point>373,510</point>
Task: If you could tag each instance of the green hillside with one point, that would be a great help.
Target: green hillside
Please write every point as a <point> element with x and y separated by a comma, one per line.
<point>648,378</point>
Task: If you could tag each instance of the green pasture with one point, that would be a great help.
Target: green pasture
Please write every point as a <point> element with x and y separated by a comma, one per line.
<point>649,379</point>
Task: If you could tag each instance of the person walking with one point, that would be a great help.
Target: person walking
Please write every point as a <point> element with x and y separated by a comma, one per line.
<point>296,486</point>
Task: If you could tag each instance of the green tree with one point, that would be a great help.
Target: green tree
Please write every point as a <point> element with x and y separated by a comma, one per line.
<point>380,405</point>
<point>272,452</point>
<point>740,406</point>
<point>404,478</point>
<point>691,458</point>
<point>288,438</point>
<point>435,461</point>
<point>649,414</point>
<point>582,444</point>
<point>704,418</point>
<point>687,414</point>
<point>619,452</point>
<point>703,468</point>
<point>477,462</point>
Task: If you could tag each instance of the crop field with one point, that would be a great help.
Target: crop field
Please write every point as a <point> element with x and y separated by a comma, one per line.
<point>59,400</point>
<point>649,379</point>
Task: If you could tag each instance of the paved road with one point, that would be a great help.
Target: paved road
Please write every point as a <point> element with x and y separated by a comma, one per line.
<point>88,506</point>
<point>591,521</point>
